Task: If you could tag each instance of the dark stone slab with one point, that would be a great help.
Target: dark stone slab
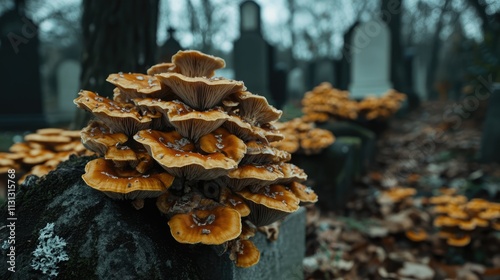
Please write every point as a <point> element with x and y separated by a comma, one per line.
<point>368,138</point>
<point>108,239</point>
<point>331,172</point>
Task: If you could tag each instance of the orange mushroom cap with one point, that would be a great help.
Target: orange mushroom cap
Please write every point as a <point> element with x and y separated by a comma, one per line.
<point>118,117</point>
<point>305,194</point>
<point>230,199</point>
<point>221,141</point>
<point>102,175</point>
<point>163,67</point>
<point>460,240</point>
<point>256,176</point>
<point>255,109</point>
<point>98,138</point>
<point>416,235</point>
<point>244,253</point>
<point>270,204</point>
<point>178,156</point>
<point>212,226</point>
<point>137,84</point>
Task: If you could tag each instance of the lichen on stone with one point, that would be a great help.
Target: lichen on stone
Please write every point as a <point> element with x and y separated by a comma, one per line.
<point>49,252</point>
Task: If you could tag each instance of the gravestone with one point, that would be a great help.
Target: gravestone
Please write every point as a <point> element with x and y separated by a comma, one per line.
<point>169,48</point>
<point>323,70</point>
<point>296,85</point>
<point>345,63</point>
<point>419,74</point>
<point>370,71</point>
<point>278,85</point>
<point>68,84</point>
<point>22,106</point>
<point>490,149</point>
<point>332,172</point>
<point>252,55</point>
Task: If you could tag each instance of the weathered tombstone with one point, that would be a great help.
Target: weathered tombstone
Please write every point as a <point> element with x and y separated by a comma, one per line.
<point>490,150</point>
<point>332,172</point>
<point>345,63</point>
<point>296,85</point>
<point>370,72</point>
<point>419,73</point>
<point>169,48</point>
<point>22,106</point>
<point>252,55</point>
<point>323,70</point>
<point>68,83</point>
<point>278,85</point>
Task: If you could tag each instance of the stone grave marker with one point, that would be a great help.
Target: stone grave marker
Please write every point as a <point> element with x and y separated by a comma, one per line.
<point>323,70</point>
<point>370,71</point>
<point>68,84</point>
<point>296,85</point>
<point>22,104</point>
<point>490,139</point>
<point>252,55</point>
<point>169,48</point>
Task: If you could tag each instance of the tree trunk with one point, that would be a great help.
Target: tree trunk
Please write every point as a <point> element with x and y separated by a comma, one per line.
<point>117,36</point>
<point>434,58</point>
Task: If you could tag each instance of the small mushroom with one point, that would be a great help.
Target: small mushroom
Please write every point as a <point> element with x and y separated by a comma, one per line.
<point>255,109</point>
<point>200,93</point>
<point>270,204</point>
<point>120,118</point>
<point>211,225</point>
<point>178,156</point>
<point>164,67</point>
<point>416,234</point>
<point>123,183</point>
<point>256,176</point>
<point>305,194</point>
<point>221,141</point>
<point>244,253</point>
<point>193,63</point>
<point>98,138</point>
<point>193,124</point>
<point>230,199</point>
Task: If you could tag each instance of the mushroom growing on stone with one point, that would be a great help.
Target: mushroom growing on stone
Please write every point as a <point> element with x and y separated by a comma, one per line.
<point>198,143</point>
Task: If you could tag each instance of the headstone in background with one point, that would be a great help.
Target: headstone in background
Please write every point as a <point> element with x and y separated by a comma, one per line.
<point>296,85</point>
<point>323,70</point>
<point>490,139</point>
<point>169,48</point>
<point>22,103</point>
<point>419,74</point>
<point>252,55</point>
<point>370,72</point>
<point>278,85</point>
<point>345,63</point>
<point>68,84</point>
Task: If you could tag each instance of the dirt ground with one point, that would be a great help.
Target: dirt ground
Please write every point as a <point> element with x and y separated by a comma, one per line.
<point>426,171</point>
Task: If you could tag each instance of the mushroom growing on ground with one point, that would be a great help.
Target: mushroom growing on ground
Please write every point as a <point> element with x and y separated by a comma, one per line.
<point>200,145</point>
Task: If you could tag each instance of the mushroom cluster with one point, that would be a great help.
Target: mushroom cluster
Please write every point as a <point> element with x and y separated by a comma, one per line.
<point>460,220</point>
<point>324,102</point>
<point>41,151</point>
<point>199,145</point>
<point>303,137</point>
<point>381,108</point>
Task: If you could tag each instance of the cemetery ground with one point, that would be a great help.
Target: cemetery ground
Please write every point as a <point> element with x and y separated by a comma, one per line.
<point>389,228</point>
